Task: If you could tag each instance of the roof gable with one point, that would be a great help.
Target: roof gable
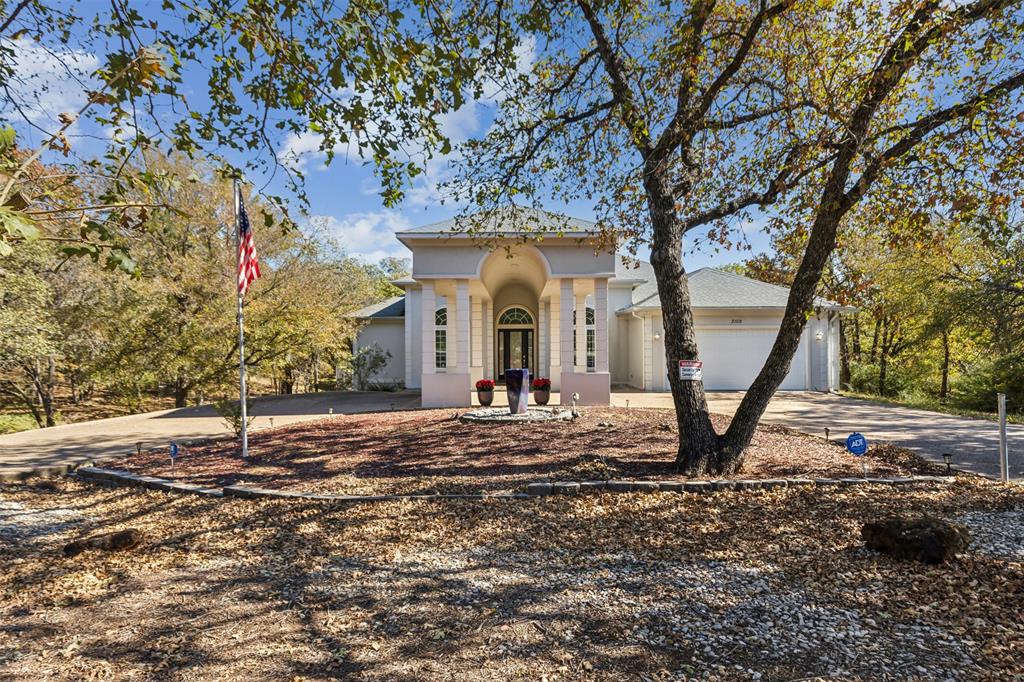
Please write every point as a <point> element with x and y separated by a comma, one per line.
<point>511,220</point>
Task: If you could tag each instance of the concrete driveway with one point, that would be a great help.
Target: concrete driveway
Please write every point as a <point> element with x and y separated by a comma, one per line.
<point>974,443</point>
<point>71,444</point>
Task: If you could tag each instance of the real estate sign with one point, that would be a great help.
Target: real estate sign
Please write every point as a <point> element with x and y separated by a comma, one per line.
<point>691,370</point>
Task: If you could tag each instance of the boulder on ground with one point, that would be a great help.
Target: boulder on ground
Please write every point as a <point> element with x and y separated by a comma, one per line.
<point>926,539</point>
<point>111,542</point>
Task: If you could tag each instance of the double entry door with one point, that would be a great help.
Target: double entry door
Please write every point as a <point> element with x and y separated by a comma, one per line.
<point>515,351</point>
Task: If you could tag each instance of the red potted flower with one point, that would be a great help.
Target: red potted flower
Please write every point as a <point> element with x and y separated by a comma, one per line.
<point>485,392</point>
<point>541,390</point>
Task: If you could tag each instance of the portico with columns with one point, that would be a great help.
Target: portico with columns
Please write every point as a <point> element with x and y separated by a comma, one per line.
<point>480,311</point>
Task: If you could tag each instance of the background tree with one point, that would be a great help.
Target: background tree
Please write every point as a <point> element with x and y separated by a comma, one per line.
<point>370,77</point>
<point>70,328</point>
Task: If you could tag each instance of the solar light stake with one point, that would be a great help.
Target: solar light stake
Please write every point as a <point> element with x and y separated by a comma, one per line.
<point>138,449</point>
<point>826,433</point>
<point>948,459</point>
<point>271,422</point>
<point>330,410</point>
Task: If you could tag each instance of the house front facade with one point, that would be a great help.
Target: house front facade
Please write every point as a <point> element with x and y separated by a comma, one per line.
<point>567,310</point>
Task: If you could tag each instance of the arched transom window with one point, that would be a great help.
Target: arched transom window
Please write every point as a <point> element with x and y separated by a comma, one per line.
<point>516,317</point>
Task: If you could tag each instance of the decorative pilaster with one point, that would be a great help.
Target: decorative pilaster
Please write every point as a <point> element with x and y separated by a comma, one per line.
<point>488,339</point>
<point>462,326</point>
<point>601,324</point>
<point>427,307</point>
<point>565,333</point>
<point>554,343</point>
<point>476,334</point>
<point>581,333</point>
<point>542,339</point>
<point>408,323</point>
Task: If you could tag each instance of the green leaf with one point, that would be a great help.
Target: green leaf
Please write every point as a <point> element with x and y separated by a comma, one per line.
<point>7,138</point>
<point>17,224</point>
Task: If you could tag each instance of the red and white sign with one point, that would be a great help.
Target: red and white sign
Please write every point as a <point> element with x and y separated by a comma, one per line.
<point>691,370</point>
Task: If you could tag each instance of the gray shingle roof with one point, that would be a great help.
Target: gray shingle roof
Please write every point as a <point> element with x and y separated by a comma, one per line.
<point>709,288</point>
<point>392,307</point>
<point>513,219</point>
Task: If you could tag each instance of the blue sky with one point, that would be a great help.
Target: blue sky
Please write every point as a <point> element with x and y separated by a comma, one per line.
<point>343,196</point>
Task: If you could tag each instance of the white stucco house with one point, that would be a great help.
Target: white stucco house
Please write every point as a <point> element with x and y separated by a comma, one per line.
<point>585,318</point>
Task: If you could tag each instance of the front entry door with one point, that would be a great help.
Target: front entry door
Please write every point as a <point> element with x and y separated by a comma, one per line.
<point>515,350</point>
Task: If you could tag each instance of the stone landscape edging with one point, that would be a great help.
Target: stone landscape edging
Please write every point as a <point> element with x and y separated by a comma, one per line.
<point>45,471</point>
<point>533,490</point>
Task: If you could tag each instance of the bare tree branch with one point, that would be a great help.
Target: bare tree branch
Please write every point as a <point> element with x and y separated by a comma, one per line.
<point>623,94</point>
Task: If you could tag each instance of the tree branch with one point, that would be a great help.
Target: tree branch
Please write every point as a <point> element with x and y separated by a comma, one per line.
<point>623,94</point>
<point>924,126</point>
<point>685,121</point>
<point>14,15</point>
<point>785,180</point>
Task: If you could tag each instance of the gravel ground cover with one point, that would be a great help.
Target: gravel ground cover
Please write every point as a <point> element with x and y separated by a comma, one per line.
<point>427,451</point>
<point>754,585</point>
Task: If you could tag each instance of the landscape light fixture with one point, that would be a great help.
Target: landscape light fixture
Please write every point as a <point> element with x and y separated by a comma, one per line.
<point>819,335</point>
<point>948,459</point>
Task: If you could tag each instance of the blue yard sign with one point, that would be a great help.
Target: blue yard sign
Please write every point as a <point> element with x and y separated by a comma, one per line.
<point>857,444</point>
<point>174,450</point>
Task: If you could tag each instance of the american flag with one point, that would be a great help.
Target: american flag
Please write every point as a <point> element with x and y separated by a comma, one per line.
<point>248,263</point>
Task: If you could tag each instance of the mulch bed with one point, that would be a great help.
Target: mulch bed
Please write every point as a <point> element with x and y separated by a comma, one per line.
<point>429,451</point>
<point>770,585</point>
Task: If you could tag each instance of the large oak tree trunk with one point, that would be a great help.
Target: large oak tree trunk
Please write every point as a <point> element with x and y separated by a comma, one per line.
<point>698,443</point>
<point>820,244</point>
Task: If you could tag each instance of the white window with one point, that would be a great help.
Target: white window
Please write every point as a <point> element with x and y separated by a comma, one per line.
<point>591,338</point>
<point>441,338</point>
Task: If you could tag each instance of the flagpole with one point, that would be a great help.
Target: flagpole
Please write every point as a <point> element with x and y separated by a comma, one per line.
<point>241,334</point>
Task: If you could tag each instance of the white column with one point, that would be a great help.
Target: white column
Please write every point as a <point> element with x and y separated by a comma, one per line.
<point>601,324</point>
<point>554,333</point>
<point>462,327</point>
<point>488,341</point>
<point>476,334</point>
<point>427,308</point>
<point>581,333</point>
<point>408,323</point>
<point>542,339</point>
<point>648,353</point>
<point>565,336</point>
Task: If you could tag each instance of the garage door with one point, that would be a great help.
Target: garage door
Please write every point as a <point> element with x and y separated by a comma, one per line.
<point>733,357</point>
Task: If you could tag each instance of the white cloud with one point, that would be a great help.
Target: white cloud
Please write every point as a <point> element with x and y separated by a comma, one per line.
<point>49,82</point>
<point>369,236</point>
<point>298,148</point>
